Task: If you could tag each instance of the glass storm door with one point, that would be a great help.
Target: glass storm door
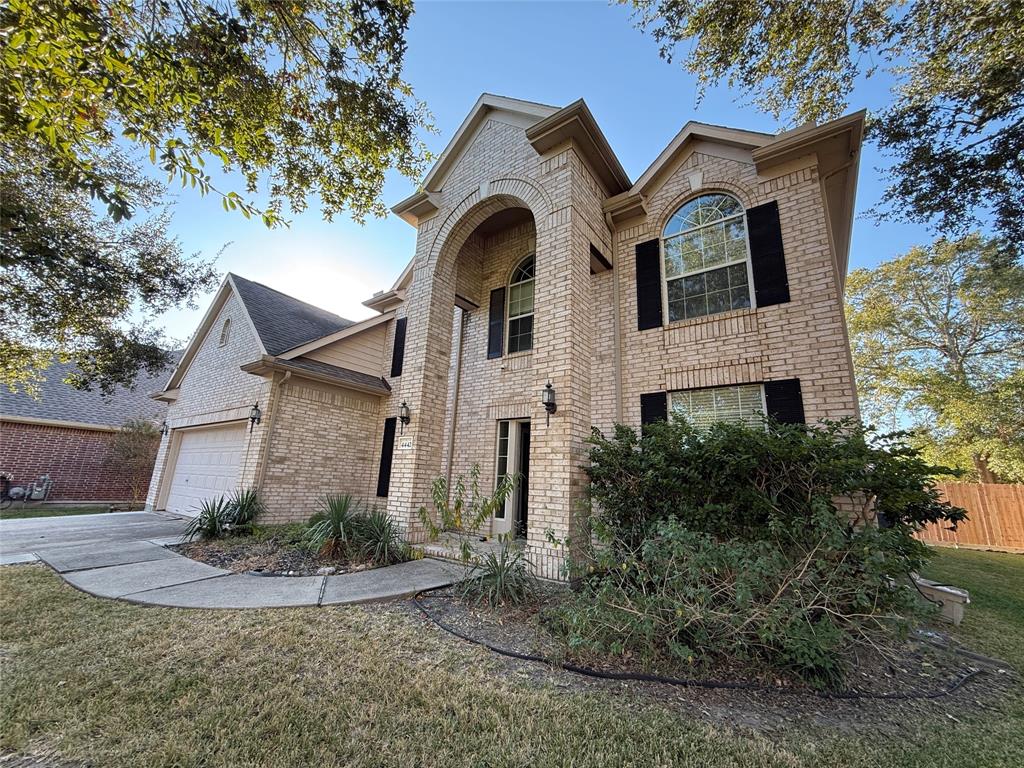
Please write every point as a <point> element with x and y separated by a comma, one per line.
<point>513,458</point>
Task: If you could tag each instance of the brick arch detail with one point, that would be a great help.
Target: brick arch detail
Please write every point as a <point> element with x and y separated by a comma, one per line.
<point>741,192</point>
<point>479,205</point>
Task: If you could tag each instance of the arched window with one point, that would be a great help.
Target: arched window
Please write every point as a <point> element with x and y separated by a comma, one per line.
<point>706,256</point>
<point>225,332</point>
<point>520,306</point>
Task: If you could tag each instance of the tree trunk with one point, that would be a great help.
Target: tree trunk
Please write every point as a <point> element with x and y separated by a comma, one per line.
<point>985,475</point>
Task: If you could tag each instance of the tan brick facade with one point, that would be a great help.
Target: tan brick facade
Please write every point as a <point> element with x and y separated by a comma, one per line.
<point>324,440</point>
<point>803,338</point>
<point>554,198</point>
<point>213,391</point>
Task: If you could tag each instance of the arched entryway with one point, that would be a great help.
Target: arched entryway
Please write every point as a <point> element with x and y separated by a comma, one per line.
<point>499,283</point>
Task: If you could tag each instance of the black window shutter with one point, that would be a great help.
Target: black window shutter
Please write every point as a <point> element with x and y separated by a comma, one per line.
<point>387,450</point>
<point>496,324</point>
<point>767,261</point>
<point>784,400</point>
<point>648,285</point>
<point>653,407</point>
<point>398,352</point>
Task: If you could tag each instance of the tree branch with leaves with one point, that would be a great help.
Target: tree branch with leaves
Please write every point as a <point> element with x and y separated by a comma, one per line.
<point>306,94</point>
<point>954,126</point>
<point>938,339</point>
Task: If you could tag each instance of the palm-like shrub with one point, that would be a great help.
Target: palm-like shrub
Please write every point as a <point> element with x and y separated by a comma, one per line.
<point>501,578</point>
<point>333,528</point>
<point>246,507</point>
<point>213,521</point>
<point>379,539</point>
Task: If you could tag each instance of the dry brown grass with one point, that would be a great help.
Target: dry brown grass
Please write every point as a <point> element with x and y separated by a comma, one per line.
<point>124,685</point>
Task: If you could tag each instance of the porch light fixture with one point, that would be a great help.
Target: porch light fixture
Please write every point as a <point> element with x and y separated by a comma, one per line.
<point>164,429</point>
<point>404,415</point>
<point>547,397</point>
<point>255,415</point>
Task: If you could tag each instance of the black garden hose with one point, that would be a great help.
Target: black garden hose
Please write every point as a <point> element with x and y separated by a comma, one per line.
<point>686,682</point>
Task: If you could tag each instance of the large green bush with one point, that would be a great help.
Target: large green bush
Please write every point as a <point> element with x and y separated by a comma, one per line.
<point>749,543</point>
<point>734,480</point>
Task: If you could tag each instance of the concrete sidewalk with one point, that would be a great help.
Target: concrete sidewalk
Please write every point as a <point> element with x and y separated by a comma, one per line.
<point>124,556</point>
<point>152,575</point>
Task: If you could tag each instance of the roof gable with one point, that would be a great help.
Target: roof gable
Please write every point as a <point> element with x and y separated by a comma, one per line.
<point>691,132</point>
<point>516,112</point>
<point>281,321</point>
<point>424,202</point>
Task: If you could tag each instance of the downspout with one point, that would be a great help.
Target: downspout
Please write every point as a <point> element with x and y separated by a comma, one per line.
<point>455,401</point>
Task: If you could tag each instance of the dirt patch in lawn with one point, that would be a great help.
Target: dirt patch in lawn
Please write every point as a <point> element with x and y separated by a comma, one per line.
<point>274,554</point>
<point>887,690</point>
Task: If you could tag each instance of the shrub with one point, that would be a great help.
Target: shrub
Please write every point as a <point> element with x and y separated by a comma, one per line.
<point>729,542</point>
<point>213,520</point>
<point>246,506</point>
<point>502,577</point>
<point>379,539</point>
<point>455,512</point>
<point>132,453</point>
<point>333,528</point>
<point>734,480</point>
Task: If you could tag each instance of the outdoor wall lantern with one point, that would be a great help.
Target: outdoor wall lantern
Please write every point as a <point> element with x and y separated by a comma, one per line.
<point>404,415</point>
<point>164,429</point>
<point>547,397</point>
<point>255,415</point>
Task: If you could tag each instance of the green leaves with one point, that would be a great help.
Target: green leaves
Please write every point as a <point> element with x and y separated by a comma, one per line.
<point>955,122</point>
<point>302,99</point>
<point>938,340</point>
<point>81,286</point>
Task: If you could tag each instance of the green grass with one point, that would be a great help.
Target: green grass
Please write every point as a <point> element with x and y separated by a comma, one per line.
<point>123,685</point>
<point>19,512</point>
<point>996,583</point>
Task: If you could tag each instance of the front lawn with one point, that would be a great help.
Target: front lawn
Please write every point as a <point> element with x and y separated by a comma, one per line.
<point>996,583</point>
<point>18,511</point>
<point>122,685</point>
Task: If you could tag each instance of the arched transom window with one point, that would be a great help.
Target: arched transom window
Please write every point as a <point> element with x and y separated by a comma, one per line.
<point>520,306</point>
<point>706,256</point>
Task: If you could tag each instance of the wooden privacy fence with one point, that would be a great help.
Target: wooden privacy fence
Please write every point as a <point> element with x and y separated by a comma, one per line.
<point>996,513</point>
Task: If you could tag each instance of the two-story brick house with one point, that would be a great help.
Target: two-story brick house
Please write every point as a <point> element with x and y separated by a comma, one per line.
<point>710,287</point>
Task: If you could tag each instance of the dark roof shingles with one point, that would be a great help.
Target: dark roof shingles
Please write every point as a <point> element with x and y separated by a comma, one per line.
<point>283,322</point>
<point>61,402</point>
<point>341,375</point>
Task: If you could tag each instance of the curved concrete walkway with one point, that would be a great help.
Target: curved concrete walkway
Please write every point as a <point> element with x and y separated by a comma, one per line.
<point>107,561</point>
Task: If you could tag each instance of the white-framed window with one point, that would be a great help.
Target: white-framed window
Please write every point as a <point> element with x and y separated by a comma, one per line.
<point>225,332</point>
<point>503,459</point>
<point>520,306</point>
<point>706,258</point>
<point>703,407</point>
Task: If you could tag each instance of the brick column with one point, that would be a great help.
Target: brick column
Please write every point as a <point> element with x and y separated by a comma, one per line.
<point>424,386</point>
<point>562,351</point>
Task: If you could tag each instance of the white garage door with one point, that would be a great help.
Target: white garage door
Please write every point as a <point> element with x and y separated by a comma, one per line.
<point>207,466</point>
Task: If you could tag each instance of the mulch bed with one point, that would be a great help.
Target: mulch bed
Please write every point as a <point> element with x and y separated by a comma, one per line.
<point>273,556</point>
<point>913,668</point>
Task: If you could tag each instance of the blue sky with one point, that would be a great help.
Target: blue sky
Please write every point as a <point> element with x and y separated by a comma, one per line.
<point>549,52</point>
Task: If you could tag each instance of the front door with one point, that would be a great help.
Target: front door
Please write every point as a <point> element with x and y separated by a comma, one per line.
<point>513,459</point>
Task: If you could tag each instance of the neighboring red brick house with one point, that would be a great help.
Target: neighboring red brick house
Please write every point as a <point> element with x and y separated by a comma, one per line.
<point>66,433</point>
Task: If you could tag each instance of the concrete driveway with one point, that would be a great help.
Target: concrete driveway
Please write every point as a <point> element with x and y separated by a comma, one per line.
<point>21,540</point>
<point>124,556</point>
